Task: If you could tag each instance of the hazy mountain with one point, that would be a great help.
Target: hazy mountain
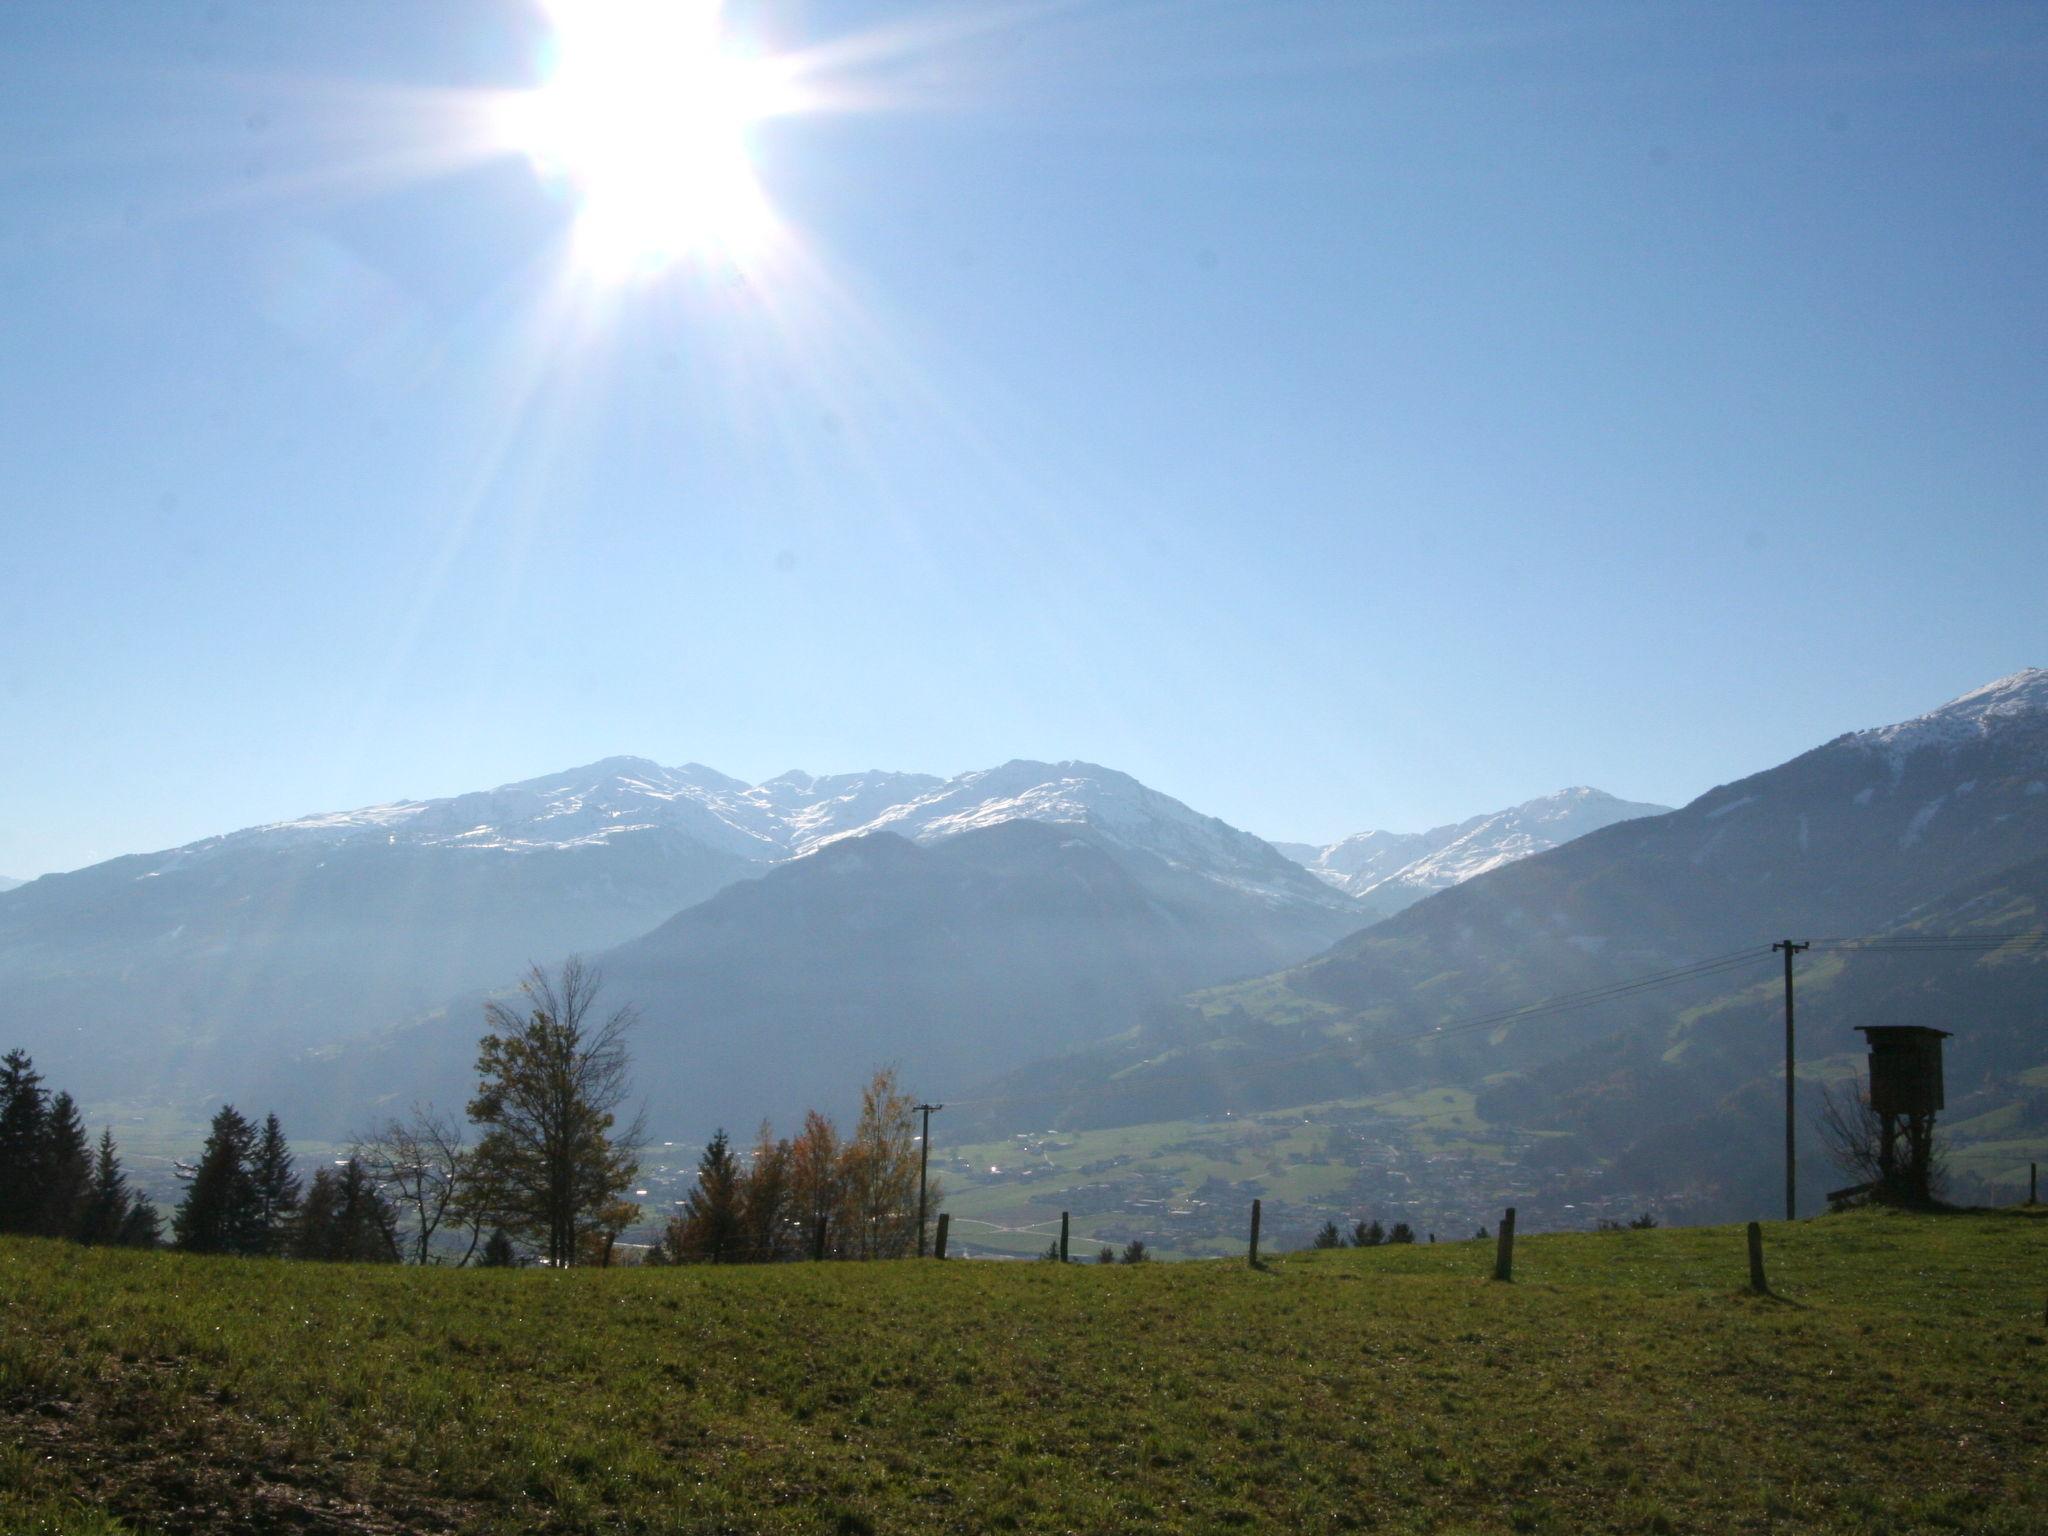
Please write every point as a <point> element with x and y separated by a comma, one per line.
<point>175,967</point>
<point>957,956</point>
<point>1938,824</point>
<point>7,884</point>
<point>1389,871</point>
<point>183,971</point>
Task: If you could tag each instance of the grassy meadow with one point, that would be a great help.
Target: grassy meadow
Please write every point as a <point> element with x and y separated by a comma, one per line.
<point>1897,1381</point>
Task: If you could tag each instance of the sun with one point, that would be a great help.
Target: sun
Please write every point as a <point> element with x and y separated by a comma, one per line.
<point>644,117</point>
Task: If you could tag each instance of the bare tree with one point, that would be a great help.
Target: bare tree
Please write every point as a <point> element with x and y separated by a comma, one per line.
<point>420,1160</point>
<point>1851,1131</point>
<point>552,1078</point>
<point>1863,1145</point>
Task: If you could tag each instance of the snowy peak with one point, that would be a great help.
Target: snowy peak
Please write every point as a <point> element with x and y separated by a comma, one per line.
<point>1113,808</point>
<point>1516,833</point>
<point>812,810</point>
<point>2023,696</point>
<point>1391,870</point>
<point>577,807</point>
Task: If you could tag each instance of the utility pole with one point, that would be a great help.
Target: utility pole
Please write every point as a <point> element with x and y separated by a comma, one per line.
<point>924,1156</point>
<point>1791,1142</point>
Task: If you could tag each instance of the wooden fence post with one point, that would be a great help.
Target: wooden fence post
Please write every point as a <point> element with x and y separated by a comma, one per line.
<point>2033,1183</point>
<point>1255,1234</point>
<point>939,1247</point>
<point>1757,1282</point>
<point>1063,1237</point>
<point>1504,1248</point>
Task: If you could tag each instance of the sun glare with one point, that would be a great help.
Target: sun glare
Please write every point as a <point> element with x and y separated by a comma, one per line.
<point>644,117</point>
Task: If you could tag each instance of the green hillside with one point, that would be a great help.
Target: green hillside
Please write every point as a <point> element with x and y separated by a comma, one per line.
<point>1624,1383</point>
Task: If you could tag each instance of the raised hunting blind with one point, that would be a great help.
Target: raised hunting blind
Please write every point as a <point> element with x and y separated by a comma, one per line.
<point>1905,1095</point>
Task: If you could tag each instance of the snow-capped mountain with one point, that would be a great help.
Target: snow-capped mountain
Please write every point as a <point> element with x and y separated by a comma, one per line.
<point>2012,708</point>
<point>188,963</point>
<point>1388,871</point>
<point>604,801</point>
<point>1115,810</point>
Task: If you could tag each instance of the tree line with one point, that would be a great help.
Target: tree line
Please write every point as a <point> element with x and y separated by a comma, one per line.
<point>52,1184</point>
<point>545,1178</point>
<point>812,1196</point>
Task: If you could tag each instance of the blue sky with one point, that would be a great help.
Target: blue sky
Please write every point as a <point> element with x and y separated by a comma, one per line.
<point>1337,415</point>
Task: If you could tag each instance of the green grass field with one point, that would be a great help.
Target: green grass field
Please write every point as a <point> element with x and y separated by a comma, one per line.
<point>1897,1382</point>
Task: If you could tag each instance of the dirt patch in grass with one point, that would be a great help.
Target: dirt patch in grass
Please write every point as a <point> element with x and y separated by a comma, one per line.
<point>165,1463</point>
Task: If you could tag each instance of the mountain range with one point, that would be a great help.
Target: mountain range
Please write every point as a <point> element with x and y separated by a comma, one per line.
<point>183,973</point>
<point>1935,827</point>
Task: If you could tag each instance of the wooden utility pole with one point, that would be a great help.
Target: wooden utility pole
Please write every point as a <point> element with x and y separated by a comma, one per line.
<point>1791,1138</point>
<point>1255,1234</point>
<point>924,1155</point>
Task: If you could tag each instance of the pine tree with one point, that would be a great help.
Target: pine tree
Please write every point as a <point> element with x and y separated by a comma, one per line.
<point>219,1213</point>
<point>1328,1236</point>
<point>1368,1234</point>
<point>24,1130</point>
<point>711,1212</point>
<point>345,1218</point>
<point>274,1187</point>
<point>142,1227</point>
<point>107,1202</point>
<point>498,1252</point>
<point>67,1169</point>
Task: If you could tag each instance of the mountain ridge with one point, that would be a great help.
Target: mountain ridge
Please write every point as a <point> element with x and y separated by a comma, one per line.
<point>1390,871</point>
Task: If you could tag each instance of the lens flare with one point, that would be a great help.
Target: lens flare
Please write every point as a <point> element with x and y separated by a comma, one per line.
<point>644,116</point>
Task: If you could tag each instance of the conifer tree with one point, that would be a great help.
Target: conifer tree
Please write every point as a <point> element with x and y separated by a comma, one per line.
<point>345,1218</point>
<point>710,1222</point>
<point>67,1169</point>
<point>107,1201</point>
<point>24,1130</point>
<point>142,1227</point>
<point>219,1213</point>
<point>274,1188</point>
<point>498,1252</point>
